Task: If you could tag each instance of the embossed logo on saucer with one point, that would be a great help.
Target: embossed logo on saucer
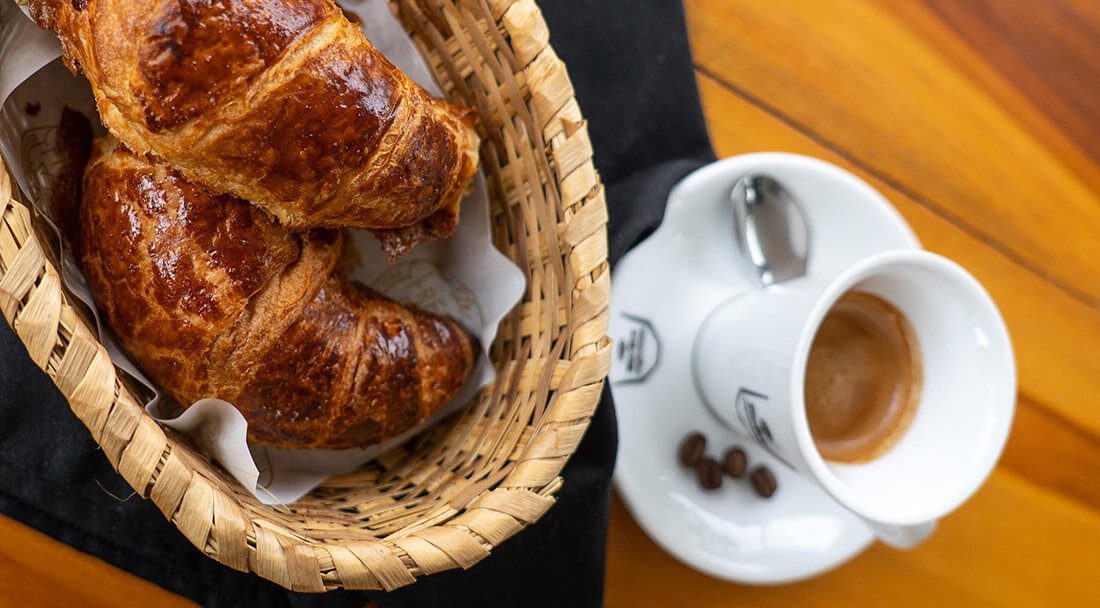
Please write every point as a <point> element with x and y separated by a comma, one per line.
<point>638,353</point>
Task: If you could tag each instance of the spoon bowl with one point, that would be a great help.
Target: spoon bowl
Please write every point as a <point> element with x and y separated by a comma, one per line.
<point>769,229</point>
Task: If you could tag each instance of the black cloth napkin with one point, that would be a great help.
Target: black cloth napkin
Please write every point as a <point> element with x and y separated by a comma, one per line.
<point>631,66</point>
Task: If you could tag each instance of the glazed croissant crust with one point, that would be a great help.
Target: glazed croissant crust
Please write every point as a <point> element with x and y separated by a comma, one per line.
<point>283,103</point>
<point>214,299</point>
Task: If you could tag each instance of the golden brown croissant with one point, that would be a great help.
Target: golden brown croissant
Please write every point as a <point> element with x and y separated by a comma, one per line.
<point>213,299</point>
<point>283,103</point>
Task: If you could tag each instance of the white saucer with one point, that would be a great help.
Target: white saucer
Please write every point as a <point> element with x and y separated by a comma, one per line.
<point>661,292</point>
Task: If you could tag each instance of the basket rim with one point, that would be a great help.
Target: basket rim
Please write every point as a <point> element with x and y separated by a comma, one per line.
<point>204,507</point>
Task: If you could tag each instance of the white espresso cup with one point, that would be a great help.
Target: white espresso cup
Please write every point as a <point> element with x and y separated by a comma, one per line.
<point>750,365</point>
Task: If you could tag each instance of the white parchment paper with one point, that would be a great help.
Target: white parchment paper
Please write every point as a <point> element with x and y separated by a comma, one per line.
<point>463,276</point>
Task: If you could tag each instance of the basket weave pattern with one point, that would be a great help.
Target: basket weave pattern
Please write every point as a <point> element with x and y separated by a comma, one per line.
<point>448,498</point>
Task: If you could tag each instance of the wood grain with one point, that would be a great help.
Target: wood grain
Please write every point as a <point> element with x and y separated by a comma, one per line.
<point>901,94</point>
<point>1058,73</point>
<point>37,571</point>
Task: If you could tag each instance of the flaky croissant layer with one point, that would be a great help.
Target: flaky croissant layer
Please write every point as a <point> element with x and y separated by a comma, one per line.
<point>214,299</point>
<point>283,103</point>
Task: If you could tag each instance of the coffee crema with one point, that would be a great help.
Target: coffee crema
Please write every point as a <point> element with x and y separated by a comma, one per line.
<point>863,379</point>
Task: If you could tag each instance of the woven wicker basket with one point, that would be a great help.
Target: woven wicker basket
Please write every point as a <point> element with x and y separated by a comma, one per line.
<point>448,498</point>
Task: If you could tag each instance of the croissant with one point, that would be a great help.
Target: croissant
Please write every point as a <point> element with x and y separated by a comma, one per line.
<point>214,299</point>
<point>283,103</point>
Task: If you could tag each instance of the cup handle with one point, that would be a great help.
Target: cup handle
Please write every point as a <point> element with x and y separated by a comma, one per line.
<point>902,537</point>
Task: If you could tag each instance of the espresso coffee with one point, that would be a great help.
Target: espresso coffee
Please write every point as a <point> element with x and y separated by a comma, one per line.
<point>863,379</point>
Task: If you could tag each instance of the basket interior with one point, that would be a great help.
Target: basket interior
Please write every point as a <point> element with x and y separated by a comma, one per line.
<point>446,498</point>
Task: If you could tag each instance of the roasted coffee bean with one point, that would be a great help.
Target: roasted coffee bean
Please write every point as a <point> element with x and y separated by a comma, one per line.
<point>692,449</point>
<point>763,481</point>
<point>735,462</point>
<point>709,472</point>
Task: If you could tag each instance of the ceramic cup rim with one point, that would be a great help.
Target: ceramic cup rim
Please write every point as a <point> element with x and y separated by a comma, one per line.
<point>976,474</point>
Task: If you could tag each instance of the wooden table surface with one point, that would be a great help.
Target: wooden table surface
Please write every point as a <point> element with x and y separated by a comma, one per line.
<point>980,121</point>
